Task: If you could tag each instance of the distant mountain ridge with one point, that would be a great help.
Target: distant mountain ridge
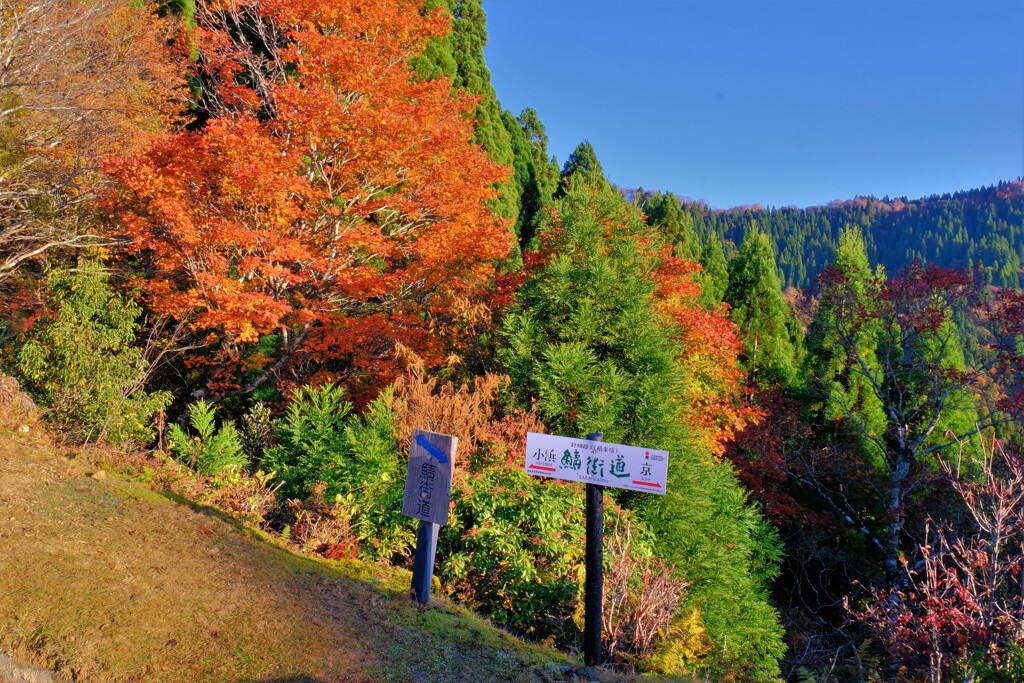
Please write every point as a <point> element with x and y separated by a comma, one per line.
<point>979,227</point>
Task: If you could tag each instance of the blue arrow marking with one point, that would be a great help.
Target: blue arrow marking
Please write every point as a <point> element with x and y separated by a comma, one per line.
<point>430,448</point>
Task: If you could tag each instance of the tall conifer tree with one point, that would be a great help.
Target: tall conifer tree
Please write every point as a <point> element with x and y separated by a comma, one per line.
<point>583,162</point>
<point>665,213</point>
<point>839,389</point>
<point>714,280</point>
<point>534,173</point>
<point>586,346</point>
<point>760,312</point>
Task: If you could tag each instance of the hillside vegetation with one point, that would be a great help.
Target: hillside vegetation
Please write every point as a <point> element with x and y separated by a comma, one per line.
<point>108,579</point>
<point>981,228</point>
<point>265,240</point>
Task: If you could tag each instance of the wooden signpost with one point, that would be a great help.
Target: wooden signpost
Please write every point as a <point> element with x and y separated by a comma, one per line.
<point>597,464</point>
<point>428,490</point>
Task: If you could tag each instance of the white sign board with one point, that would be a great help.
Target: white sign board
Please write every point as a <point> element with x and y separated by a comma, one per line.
<point>596,462</point>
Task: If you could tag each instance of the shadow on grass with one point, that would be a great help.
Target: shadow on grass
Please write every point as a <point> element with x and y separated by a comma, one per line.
<point>370,577</point>
<point>361,617</point>
<point>141,578</point>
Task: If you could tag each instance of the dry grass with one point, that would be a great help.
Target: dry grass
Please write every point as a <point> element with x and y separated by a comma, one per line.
<point>111,580</point>
<point>426,402</point>
<point>469,412</point>
<point>16,407</point>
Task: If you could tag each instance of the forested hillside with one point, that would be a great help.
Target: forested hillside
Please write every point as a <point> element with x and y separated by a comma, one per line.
<point>261,242</point>
<point>981,228</point>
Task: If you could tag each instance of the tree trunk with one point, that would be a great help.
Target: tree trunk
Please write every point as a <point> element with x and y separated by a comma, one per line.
<point>897,515</point>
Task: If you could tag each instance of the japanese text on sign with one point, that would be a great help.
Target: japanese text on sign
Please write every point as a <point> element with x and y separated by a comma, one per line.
<point>428,481</point>
<point>425,488</point>
<point>596,462</point>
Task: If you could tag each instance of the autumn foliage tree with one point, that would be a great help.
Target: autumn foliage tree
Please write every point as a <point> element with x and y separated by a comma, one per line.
<point>713,405</point>
<point>960,610</point>
<point>329,205</point>
<point>78,78</point>
<point>926,390</point>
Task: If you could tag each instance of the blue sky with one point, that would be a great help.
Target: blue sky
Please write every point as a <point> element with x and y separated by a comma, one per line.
<point>776,102</point>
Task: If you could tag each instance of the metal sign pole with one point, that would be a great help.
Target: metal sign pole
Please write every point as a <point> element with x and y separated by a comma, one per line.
<point>423,563</point>
<point>593,590</point>
<point>599,465</point>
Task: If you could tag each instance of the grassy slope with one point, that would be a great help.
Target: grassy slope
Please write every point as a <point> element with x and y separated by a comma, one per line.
<point>110,580</point>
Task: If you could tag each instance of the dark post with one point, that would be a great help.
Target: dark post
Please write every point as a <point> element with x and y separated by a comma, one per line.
<point>593,590</point>
<point>423,564</point>
<point>428,490</point>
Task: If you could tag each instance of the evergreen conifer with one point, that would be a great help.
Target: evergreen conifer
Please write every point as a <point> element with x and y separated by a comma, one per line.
<point>714,279</point>
<point>760,312</point>
<point>585,346</point>
<point>837,389</point>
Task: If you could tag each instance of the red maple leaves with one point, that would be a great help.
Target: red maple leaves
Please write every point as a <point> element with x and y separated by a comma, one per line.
<point>331,204</point>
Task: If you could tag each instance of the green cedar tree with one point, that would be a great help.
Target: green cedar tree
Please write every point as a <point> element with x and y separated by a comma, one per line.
<point>533,171</point>
<point>761,313</point>
<point>585,346</point>
<point>837,389</point>
<point>665,213</point>
<point>582,162</point>
<point>714,279</point>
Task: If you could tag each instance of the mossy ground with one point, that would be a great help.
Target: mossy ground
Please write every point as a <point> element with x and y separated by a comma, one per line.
<point>113,580</point>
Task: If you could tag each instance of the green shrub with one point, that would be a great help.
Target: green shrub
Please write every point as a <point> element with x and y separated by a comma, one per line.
<point>211,451</point>
<point>321,440</point>
<point>357,459</point>
<point>513,548</point>
<point>82,363</point>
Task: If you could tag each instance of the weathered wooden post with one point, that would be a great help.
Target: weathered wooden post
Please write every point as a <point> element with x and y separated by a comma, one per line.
<point>598,465</point>
<point>593,589</point>
<point>428,491</point>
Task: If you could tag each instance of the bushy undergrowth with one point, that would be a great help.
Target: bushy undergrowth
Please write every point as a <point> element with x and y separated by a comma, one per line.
<point>210,451</point>
<point>83,365</point>
<point>514,548</point>
<point>348,470</point>
<point>514,545</point>
<point>321,439</point>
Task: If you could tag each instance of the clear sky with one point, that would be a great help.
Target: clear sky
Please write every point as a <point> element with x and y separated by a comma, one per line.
<point>777,102</point>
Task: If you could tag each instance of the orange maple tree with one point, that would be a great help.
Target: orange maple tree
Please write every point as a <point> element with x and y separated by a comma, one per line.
<point>329,206</point>
<point>714,394</point>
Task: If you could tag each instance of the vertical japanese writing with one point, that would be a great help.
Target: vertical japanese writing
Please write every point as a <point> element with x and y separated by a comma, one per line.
<point>425,487</point>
